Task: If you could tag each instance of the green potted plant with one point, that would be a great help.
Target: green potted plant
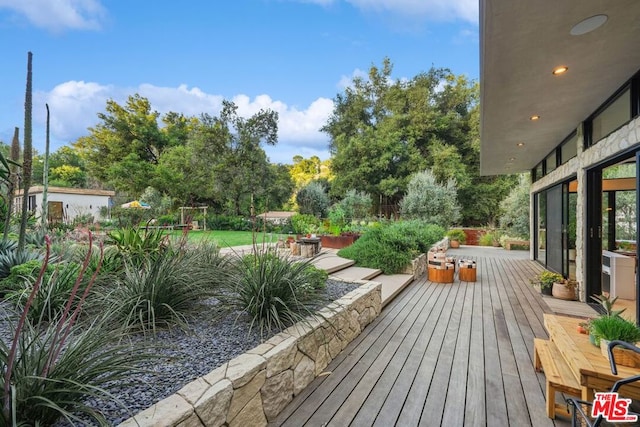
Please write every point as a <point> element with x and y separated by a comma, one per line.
<point>612,328</point>
<point>456,237</point>
<point>565,289</point>
<point>545,280</point>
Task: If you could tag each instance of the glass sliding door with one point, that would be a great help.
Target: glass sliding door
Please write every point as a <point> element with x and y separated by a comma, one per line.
<point>555,229</point>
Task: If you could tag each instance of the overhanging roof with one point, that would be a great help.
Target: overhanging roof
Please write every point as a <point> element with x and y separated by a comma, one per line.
<point>522,41</point>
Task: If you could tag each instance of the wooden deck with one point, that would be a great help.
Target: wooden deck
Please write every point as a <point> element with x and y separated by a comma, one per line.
<point>456,354</point>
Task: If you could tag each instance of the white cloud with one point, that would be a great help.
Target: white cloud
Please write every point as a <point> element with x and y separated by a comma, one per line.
<point>74,106</point>
<point>434,9</point>
<point>466,10</point>
<point>347,81</point>
<point>58,15</point>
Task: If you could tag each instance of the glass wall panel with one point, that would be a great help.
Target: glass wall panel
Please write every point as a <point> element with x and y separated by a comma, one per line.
<point>551,161</point>
<point>542,227</point>
<point>569,149</point>
<point>614,116</point>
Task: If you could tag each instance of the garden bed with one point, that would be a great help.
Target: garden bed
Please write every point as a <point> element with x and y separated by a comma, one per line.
<point>187,355</point>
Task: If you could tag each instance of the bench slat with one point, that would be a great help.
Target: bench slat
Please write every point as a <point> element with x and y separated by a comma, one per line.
<point>558,375</point>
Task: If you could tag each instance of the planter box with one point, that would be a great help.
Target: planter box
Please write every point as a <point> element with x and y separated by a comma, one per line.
<point>338,242</point>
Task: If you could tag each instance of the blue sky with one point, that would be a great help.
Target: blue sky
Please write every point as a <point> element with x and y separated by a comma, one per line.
<point>293,56</point>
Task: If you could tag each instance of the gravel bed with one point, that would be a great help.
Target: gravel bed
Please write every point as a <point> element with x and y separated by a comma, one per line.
<point>186,356</point>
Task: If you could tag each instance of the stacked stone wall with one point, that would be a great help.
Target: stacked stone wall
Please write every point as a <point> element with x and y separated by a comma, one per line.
<point>255,387</point>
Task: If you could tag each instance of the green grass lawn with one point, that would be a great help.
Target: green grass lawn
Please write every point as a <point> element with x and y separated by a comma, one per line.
<point>226,238</point>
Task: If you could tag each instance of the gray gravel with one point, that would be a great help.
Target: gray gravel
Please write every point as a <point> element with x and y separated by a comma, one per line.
<point>187,356</point>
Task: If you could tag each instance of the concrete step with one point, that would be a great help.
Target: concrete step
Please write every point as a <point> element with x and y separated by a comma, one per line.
<point>392,285</point>
<point>357,273</point>
<point>330,262</point>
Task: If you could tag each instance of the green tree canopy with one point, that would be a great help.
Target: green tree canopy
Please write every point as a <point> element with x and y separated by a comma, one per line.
<point>383,130</point>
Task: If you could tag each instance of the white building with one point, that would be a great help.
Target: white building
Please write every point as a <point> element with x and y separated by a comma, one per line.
<point>65,204</point>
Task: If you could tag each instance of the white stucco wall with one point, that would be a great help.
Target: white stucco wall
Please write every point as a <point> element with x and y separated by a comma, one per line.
<point>75,202</point>
<point>75,205</point>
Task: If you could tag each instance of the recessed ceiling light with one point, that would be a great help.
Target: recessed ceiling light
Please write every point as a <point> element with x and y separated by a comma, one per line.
<point>588,25</point>
<point>535,117</point>
<point>560,70</point>
<point>520,144</point>
<point>512,159</point>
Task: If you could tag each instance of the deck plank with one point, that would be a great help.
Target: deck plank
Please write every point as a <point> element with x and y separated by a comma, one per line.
<point>441,354</point>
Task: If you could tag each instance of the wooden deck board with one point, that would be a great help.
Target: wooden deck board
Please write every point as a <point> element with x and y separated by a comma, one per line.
<point>440,354</point>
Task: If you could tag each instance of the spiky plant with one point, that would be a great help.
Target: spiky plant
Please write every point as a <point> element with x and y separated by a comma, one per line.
<point>161,291</point>
<point>274,291</point>
<point>50,369</point>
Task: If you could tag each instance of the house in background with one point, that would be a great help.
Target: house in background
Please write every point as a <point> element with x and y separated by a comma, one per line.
<point>560,98</point>
<point>66,204</point>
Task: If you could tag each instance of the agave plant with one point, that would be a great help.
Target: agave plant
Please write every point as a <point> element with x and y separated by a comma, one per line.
<point>137,244</point>
<point>12,257</point>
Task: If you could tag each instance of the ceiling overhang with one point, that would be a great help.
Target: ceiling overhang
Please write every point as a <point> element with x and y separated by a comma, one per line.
<point>522,41</point>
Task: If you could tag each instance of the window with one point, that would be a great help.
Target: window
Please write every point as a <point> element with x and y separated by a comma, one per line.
<point>539,173</point>
<point>569,148</point>
<point>550,161</point>
<point>31,203</point>
<point>610,118</point>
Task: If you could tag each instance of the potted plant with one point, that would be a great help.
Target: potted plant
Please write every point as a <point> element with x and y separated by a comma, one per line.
<point>456,237</point>
<point>565,289</point>
<point>545,280</point>
<point>616,328</point>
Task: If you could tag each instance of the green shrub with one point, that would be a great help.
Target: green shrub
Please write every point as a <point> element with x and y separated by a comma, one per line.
<point>19,275</point>
<point>53,293</point>
<point>161,291</point>
<point>305,224</point>
<point>312,199</point>
<point>228,222</point>
<point>391,248</point>
<point>274,291</point>
<point>489,239</point>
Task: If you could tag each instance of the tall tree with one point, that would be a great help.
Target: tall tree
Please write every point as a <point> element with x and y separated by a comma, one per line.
<point>125,148</point>
<point>383,130</point>
<point>244,166</point>
<point>27,155</point>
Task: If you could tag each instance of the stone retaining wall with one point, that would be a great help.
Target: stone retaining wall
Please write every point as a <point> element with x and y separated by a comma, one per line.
<point>255,387</point>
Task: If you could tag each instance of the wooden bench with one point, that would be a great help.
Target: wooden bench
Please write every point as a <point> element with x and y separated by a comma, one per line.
<point>515,242</point>
<point>558,375</point>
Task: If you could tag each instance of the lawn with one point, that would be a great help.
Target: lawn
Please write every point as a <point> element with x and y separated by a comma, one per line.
<point>226,238</point>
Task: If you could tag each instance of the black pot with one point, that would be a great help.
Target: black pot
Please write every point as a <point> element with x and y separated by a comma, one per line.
<point>546,291</point>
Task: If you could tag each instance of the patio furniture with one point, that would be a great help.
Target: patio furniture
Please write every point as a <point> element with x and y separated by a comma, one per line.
<point>581,410</point>
<point>585,361</point>
<point>558,375</point>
